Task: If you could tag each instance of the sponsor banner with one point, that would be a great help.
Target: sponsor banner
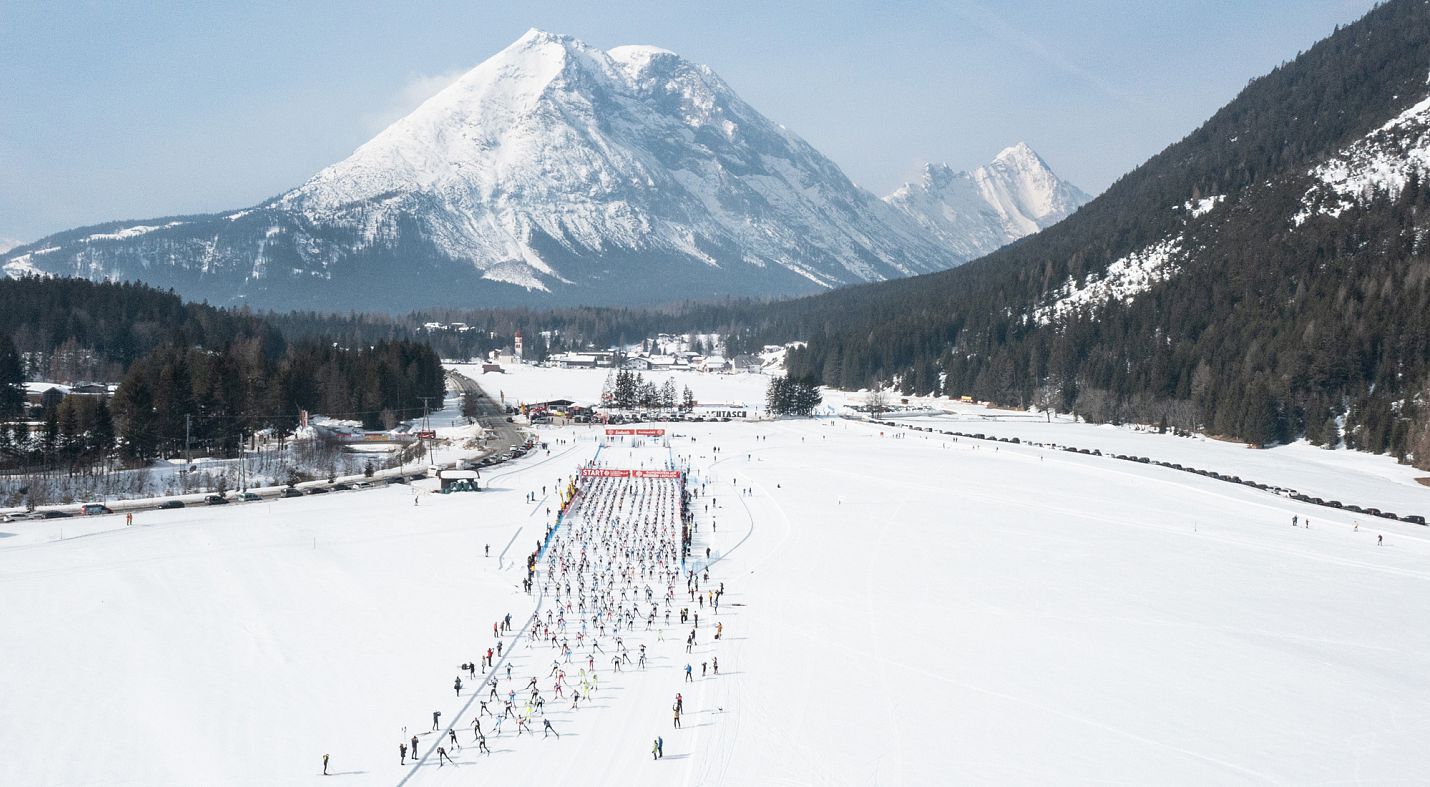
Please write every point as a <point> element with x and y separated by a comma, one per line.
<point>651,432</point>
<point>607,472</point>
<point>603,472</point>
<point>614,432</point>
<point>426,434</point>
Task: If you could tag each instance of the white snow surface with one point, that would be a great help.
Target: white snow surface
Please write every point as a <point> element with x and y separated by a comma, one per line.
<point>130,232</point>
<point>976,212</point>
<point>1125,278</point>
<point>1203,206</point>
<point>963,614</point>
<point>1378,164</point>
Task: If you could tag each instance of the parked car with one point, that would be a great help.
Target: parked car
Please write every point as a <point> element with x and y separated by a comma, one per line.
<point>19,516</point>
<point>95,509</point>
<point>291,492</point>
<point>319,490</point>
<point>172,504</point>
<point>55,515</point>
<point>216,500</point>
<point>341,488</point>
<point>249,497</point>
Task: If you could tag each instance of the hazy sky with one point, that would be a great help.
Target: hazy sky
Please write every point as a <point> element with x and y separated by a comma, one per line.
<point>118,110</point>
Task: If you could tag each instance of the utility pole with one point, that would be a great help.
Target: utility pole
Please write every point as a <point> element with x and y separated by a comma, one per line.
<point>188,453</point>
<point>431,460</point>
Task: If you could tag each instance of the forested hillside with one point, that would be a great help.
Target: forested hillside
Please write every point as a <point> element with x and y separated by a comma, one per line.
<point>1210,287</point>
<point>189,375</point>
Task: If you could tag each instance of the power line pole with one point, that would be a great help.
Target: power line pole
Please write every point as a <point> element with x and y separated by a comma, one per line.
<point>425,427</point>
<point>188,452</point>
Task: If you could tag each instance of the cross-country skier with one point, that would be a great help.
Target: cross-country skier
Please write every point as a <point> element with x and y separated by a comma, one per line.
<point>441,756</point>
<point>547,728</point>
<point>452,736</point>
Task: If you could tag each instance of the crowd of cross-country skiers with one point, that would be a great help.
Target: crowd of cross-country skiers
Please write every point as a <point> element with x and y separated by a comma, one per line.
<point>609,576</point>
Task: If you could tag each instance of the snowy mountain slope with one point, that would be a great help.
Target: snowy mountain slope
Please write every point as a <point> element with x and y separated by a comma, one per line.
<point>1379,164</point>
<point>551,172</point>
<point>975,212</point>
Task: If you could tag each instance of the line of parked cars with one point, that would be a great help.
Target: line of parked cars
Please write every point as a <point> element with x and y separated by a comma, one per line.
<point>95,509</point>
<point>1414,519</point>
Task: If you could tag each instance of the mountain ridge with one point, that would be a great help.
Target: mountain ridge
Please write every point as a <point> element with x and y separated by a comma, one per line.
<point>551,173</point>
<point>1264,277</point>
<point>977,212</point>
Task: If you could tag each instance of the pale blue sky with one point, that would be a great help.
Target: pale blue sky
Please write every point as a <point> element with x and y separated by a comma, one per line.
<point>115,110</point>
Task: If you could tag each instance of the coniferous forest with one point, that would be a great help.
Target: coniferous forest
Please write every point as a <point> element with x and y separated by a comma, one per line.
<point>189,376</point>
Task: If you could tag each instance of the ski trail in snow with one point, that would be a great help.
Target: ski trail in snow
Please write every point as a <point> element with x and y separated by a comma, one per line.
<point>476,692</point>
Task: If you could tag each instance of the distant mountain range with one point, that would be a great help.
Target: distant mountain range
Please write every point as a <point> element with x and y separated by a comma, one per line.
<point>557,173</point>
<point>1267,277</point>
<point>977,212</point>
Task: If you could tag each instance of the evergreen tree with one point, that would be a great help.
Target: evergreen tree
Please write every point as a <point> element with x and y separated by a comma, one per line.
<point>12,381</point>
<point>101,433</point>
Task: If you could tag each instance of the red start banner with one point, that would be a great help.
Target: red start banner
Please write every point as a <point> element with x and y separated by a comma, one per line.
<point>606,472</point>
<point>427,434</point>
<point>614,432</point>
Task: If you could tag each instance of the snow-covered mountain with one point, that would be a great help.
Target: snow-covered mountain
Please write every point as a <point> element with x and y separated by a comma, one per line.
<point>554,172</point>
<point>975,212</point>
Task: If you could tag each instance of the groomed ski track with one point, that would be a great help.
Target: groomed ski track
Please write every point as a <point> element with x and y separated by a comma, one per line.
<point>901,609</point>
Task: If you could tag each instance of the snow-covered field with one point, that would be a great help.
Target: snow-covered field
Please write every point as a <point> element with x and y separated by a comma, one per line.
<point>900,609</point>
<point>541,383</point>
